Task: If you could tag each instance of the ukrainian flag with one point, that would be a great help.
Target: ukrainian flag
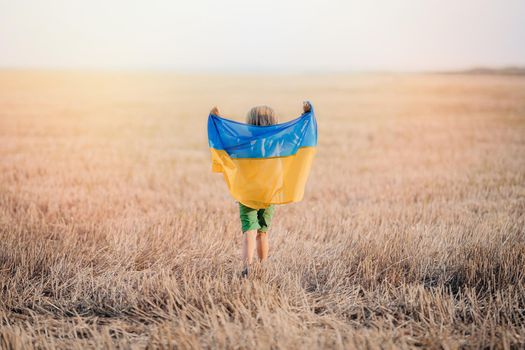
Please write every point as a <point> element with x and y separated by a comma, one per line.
<point>263,165</point>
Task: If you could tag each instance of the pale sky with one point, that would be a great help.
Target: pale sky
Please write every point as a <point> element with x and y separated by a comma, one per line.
<point>231,35</point>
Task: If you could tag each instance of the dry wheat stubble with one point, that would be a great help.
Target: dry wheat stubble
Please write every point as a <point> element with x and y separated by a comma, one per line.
<point>114,233</point>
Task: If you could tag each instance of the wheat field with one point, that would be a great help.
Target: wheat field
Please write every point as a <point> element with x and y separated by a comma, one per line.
<point>114,233</point>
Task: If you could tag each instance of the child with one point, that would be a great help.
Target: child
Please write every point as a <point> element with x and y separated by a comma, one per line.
<point>256,222</point>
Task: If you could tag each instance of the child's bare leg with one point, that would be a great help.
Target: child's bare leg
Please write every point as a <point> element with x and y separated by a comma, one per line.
<point>248,247</point>
<point>262,245</point>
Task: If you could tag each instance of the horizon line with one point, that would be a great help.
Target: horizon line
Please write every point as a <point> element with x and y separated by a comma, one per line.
<point>480,69</point>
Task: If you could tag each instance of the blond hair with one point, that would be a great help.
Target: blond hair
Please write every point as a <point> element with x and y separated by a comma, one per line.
<point>261,116</point>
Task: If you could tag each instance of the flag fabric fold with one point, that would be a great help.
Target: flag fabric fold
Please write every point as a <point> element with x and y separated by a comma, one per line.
<point>263,165</point>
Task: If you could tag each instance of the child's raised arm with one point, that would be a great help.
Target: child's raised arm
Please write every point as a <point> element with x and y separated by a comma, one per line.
<point>215,111</point>
<point>307,106</point>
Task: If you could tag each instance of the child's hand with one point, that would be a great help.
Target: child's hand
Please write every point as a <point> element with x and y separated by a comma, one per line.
<point>307,107</point>
<point>215,110</point>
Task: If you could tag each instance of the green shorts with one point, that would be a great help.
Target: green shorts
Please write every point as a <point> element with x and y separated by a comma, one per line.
<point>256,219</point>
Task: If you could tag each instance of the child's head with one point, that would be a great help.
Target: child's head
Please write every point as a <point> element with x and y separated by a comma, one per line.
<point>261,116</point>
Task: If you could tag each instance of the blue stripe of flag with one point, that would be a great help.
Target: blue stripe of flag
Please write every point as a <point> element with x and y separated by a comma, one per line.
<point>241,140</point>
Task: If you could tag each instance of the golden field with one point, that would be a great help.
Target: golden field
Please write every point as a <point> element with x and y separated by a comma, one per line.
<point>114,233</point>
